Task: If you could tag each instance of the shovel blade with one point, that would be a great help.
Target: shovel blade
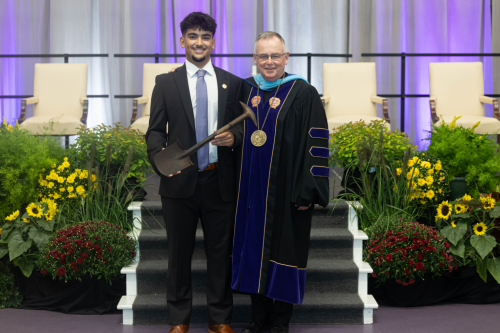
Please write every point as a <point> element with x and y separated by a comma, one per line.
<point>167,161</point>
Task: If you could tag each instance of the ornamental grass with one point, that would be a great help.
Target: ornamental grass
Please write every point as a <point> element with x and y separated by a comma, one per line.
<point>98,249</point>
<point>407,252</point>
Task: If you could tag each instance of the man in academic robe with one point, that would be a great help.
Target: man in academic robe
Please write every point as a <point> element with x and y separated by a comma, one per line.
<point>195,100</point>
<point>284,173</point>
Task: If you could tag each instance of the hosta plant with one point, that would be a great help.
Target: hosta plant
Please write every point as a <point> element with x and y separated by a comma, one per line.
<point>406,252</point>
<point>468,225</point>
<point>94,248</point>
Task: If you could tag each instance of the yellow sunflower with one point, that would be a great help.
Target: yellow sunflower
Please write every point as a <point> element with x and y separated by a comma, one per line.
<point>398,170</point>
<point>453,224</point>
<point>62,189</point>
<point>444,210</point>
<point>71,179</point>
<point>488,202</point>
<point>421,182</point>
<point>56,196</point>
<point>70,189</point>
<point>60,179</point>
<point>93,178</point>
<point>65,164</point>
<point>12,216</point>
<point>34,210</point>
<point>49,216</point>
<point>459,209</point>
<point>430,171</point>
<point>429,180</point>
<point>480,229</point>
<point>438,166</point>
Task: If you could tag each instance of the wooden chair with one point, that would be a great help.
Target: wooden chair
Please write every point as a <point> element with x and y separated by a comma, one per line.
<point>60,95</point>
<point>148,83</point>
<point>350,94</point>
<point>457,89</point>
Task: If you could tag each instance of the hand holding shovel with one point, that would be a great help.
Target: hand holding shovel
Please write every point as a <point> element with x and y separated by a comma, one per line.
<point>171,160</point>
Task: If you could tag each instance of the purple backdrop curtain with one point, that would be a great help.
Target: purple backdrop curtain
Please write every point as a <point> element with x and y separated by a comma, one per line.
<point>152,26</point>
<point>438,26</point>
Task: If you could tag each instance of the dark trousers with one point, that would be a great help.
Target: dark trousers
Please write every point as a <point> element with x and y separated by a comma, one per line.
<point>217,219</point>
<point>270,310</point>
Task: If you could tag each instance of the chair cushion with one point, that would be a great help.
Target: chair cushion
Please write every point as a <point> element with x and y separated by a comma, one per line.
<point>334,122</point>
<point>63,125</point>
<point>487,126</point>
<point>141,124</point>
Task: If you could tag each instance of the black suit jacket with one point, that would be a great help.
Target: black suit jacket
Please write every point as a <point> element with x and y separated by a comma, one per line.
<point>171,103</point>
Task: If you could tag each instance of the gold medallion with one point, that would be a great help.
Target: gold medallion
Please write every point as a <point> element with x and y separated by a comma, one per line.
<point>258,138</point>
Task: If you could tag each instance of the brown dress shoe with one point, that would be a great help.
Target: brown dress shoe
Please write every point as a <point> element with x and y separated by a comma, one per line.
<point>220,329</point>
<point>179,329</point>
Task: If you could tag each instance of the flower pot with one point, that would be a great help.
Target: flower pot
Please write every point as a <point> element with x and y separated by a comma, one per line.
<point>458,187</point>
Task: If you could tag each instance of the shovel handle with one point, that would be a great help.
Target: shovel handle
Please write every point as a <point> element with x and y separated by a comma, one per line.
<point>212,136</point>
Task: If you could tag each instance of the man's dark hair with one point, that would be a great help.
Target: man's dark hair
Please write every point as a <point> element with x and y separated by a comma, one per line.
<point>198,20</point>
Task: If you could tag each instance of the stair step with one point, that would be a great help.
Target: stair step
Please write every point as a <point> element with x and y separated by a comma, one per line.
<point>325,242</point>
<point>323,275</point>
<point>332,308</point>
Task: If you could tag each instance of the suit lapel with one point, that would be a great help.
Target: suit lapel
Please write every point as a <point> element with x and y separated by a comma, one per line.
<point>222,81</point>
<point>180,76</point>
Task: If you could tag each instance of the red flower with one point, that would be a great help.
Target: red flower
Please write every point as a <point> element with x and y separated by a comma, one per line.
<point>79,261</point>
<point>99,256</point>
<point>72,264</point>
<point>55,255</point>
<point>96,247</point>
<point>386,272</point>
<point>420,256</point>
<point>388,257</point>
<point>99,250</point>
<point>110,248</point>
<point>76,268</point>
<point>441,264</point>
<point>84,255</point>
<point>61,271</point>
<point>105,261</point>
<point>43,271</point>
<point>47,255</point>
<point>405,284</point>
<point>374,275</point>
<point>447,245</point>
<point>407,271</point>
<point>412,281</point>
<point>398,281</point>
<point>133,254</point>
<point>419,266</point>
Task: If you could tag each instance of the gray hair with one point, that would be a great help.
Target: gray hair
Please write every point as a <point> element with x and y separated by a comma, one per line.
<point>266,35</point>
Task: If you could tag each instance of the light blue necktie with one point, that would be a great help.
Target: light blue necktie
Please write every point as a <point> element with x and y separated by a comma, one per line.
<point>202,118</point>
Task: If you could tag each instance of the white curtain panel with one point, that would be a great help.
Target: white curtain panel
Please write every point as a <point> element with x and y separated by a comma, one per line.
<point>315,26</point>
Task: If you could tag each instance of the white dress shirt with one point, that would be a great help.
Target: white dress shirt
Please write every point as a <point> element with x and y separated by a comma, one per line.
<point>213,100</point>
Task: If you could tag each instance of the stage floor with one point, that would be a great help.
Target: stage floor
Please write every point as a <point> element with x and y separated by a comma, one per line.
<point>456,318</point>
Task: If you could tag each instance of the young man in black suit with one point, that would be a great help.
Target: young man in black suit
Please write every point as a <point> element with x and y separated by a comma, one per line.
<point>195,100</point>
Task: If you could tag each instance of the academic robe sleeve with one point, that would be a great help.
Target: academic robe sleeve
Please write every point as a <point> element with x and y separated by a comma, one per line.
<point>311,171</point>
<point>156,135</point>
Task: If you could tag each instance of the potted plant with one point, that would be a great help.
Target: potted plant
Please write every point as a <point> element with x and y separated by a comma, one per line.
<point>107,148</point>
<point>468,224</point>
<point>345,140</point>
<point>471,159</point>
<point>22,156</point>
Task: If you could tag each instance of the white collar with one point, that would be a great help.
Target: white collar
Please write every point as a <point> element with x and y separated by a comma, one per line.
<point>192,69</point>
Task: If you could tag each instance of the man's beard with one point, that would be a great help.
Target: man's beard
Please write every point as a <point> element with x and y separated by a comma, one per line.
<point>198,59</point>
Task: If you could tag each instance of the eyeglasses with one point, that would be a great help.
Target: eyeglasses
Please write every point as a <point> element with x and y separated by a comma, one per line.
<point>274,57</point>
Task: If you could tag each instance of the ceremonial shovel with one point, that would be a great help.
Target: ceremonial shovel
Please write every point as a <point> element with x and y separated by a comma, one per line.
<point>174,158</point>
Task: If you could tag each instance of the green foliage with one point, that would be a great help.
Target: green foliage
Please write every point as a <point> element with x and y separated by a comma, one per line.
<point>23,235</point>
<point>346,138</point>
<point>469,225</point>
<point>112,146</point>
<point>9,296</point>
<point>466,154</point>
<point>384,190</point>
<point>98,249</point>
<point>108,201</point>
<point>22,156</point>
<point>406,252</point>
